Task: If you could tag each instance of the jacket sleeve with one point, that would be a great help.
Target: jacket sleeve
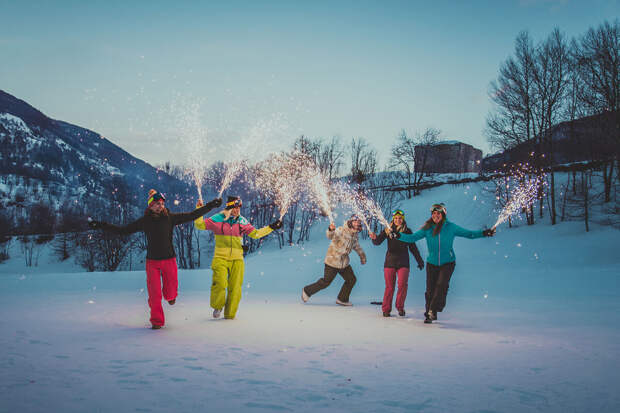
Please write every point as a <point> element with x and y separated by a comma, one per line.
<point>205,224</point>
<point>358,248</point>
<point>249,230</point>
<point>380,238</point>
<point>189,216</point>
<point>416,253</point>
<point>466,233</point>
<point>330,234</point>
<point>137,225</point>
<point>411,238</point>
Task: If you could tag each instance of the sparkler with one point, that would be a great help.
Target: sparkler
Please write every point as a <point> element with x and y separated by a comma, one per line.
<point>232,170</point>
<point>522,196</point>
<point>282,176</point>
<point>319,188</point>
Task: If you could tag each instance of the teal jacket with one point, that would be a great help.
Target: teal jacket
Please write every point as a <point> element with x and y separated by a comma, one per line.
<point>440,247</point>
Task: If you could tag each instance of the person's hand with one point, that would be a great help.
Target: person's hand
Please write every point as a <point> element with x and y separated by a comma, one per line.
<point>421,265</point>
<point>363,260</point>
<point>372,235</point>
<point>199,203</point>
<point>216,202</point>
<point>332,226</point>
<point>488,232</point>
<point>95,224</point>
<point>277,224</point>
<point>245,248</point>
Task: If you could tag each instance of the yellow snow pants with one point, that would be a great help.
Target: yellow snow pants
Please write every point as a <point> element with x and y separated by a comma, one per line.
<point>227,277</point>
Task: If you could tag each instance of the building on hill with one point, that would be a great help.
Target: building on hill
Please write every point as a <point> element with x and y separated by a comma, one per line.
<point>592,138</point>
<point>447,157</point>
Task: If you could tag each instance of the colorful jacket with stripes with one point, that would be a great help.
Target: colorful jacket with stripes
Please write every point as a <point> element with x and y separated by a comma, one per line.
<point>229,232</point>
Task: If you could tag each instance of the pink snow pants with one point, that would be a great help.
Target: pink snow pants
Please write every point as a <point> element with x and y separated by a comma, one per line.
<point>156,270</point>
<point>390,280</point>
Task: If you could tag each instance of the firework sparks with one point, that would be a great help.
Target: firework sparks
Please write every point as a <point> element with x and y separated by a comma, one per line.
<point>522,196</point>
<point>232,171</point>
<point>319,189</point>
<point>282,176</point>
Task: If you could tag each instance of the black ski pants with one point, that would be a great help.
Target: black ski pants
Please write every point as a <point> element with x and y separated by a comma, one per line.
<point>437,284</point>
<point>328,276</point>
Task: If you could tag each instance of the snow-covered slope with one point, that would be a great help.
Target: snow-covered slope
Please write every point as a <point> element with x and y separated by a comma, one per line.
<point>531,324</point>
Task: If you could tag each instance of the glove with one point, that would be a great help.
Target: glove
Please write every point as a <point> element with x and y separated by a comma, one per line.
<point>216,202</point>
<point>277,224</point>
<point>95,224</point>
<point>245,248</point>
<point>363,260</point>
<point>488,232</point>
<point>421,265</point>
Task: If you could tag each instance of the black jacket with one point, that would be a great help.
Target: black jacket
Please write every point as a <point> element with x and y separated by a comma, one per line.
<point>158,230</point>
<point>397,255</point>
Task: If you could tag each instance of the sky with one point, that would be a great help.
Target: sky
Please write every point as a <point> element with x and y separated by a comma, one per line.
<point>166,80</point>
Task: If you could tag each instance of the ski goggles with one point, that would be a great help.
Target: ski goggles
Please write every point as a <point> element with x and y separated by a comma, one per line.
<point>234,204</point>
<point>156,197</point>
<point>439,208</point>
<point>398,212</point>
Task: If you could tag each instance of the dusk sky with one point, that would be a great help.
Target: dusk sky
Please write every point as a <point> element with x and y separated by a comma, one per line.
<point>262,73</point>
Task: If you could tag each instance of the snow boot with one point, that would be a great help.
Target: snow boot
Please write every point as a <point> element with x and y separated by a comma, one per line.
<point>427,320</point>
<point>344,303</point>
<point>386,314</point>
<point>433,315</point>
<point>217,313</point>
<point>171,302</point>
<point>401,313</point>
<point>304,297</point>
<point>155,327</point>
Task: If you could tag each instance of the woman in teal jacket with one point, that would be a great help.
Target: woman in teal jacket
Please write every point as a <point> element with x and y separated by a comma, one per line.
<point>440,263</point>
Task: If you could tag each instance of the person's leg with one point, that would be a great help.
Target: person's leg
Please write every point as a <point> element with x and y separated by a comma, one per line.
<point>235,282</point>
<point>169,274</point>
<point>389,274</point>
<point>153,286</point>
<point>432,273</point>
<point>349,282</point>
<point>403,282</point>
<point>441,290</point>
<point>328,276</point>
<point>219,266</point>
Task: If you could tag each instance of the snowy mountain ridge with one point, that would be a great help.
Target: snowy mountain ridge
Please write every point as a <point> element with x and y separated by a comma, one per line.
<point>43,160</point>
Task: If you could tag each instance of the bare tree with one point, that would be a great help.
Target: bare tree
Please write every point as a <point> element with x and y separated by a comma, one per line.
<point>596,60</point>
<point>551,81</point>
<point>424,141</point>
<point>363,160</point>
<point>331,158</point>
<point>403,159</point>
<point>510,121</point>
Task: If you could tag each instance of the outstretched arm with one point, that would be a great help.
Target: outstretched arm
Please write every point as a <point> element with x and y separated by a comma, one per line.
<point>466,233</point>
<point>411,238</point>
<point>195,214</point>
<point>379,238</point>
<point>135,226</point>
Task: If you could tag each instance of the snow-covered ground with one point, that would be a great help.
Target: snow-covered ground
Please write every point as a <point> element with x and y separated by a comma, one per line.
<point>532,324</point>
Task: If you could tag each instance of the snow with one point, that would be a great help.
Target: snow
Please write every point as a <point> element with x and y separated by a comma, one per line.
<point>14,123</point>
<point>531,324</point>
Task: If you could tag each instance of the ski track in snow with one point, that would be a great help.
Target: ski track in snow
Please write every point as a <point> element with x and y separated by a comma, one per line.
<point>531,325</point>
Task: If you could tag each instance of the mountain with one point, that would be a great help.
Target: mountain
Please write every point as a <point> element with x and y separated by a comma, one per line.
<point>51,162</point>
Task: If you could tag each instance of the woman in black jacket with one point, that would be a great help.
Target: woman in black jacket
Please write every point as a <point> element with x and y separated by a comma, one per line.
<point>157,224</point>
<point>396,262</point>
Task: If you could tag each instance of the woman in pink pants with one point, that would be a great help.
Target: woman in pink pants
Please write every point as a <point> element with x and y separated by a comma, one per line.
<point>161,263</point>
<point>396,264</point>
